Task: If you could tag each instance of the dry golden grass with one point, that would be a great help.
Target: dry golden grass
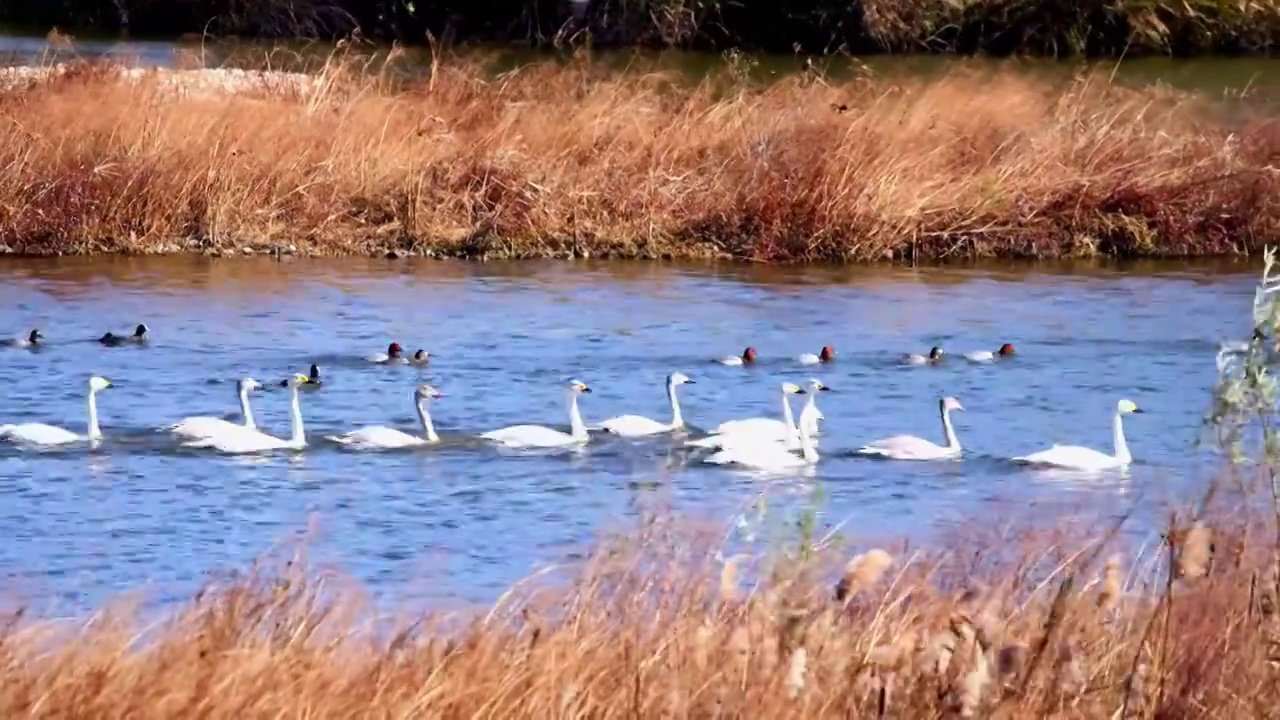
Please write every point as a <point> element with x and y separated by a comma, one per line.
<point>556,160</point>
<point>1006,625</point>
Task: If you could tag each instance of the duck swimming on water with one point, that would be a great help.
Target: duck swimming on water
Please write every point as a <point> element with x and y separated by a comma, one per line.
<point>31,340</point>
<point>393,356</point>
<point>139,336</point>
<point>987,356</point>
<point>935,357</point>
<point>312,381</point>
<point>827,355</point>
<point>422,357</point>
<point>748,357</point>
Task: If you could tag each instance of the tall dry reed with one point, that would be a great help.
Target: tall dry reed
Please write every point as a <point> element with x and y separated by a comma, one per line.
<point>555,160</point>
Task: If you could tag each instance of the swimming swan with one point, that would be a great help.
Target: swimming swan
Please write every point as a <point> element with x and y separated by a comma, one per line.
<point>537,436</point>
<point>748,357</point>
<point>393,356</point>
<point>638,426</point>
<point>201,426</point>
<point>987,356</point>
<point>909,447</point>
<point>239,439</point>
<point>139,336</point>
<point>827,355</point>
<point>41,434</point>
<point>31,340</point>
<point>767,455</point>
<point>935,357</point>
<point>771,429</point>
<point>1083,458</point>
<point>379,436</point>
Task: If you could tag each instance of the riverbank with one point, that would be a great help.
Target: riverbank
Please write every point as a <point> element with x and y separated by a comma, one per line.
<point>557,160</point>
<point>1116,28</point>
<point>1002,624</point>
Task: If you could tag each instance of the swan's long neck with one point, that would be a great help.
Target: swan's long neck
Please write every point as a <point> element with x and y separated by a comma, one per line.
<point>949,431</point>
<point>295,413</point>
<point>807,450</point>
<point>428,427</point>
<point>95,432</point>
<point>577,428</point>
<point>677,420</point>
<point>245,412</point>
<point>788,418</point>
<point>1117,438</point>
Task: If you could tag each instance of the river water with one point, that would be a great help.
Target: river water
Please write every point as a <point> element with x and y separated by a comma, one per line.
<point>463,520</point>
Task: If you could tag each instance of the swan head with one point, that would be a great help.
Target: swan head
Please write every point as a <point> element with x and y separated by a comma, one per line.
<point>790,388</point>
<point>679,378</point>
<point>749,355</point>
<point>140,331</point>
<point>816,386</point>
<point>1124,407</point>
<point>394,350</point>
<point>1005,350</point>
<point>935,353</point>
<point>576,387</point>
<point>827,355</point>
<point>296,381</point>
<point>427,393</point>
<point>248,385</point>
<point>950,403</point>
<point>35,336</point>
<point>98,384</point>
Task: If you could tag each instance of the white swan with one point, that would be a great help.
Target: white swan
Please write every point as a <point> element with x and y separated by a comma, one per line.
<point>42,434</point>
<point>380,436</point>
<point>935,356</point>
<point>827,355</point>
<point>748,357</point>
<point>237,439</point>
<point>909,447</point>
<point>767,455</point>
<point>203,425</point>
<point>31,340</point>
<point>1083,458</point>
<point>639,426</point>
<point>762,429</point>
<point>537,436</point>
<point>393,356</point>
<point>987,356</point>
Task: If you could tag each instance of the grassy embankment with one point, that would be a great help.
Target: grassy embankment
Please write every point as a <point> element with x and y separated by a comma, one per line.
<point>556,161</point>
<point>1048,27</point>
<point>1000,624</point>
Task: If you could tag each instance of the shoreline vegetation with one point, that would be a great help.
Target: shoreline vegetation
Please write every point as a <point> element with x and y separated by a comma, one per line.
<point>1114,28</point>
<point>568,160</point>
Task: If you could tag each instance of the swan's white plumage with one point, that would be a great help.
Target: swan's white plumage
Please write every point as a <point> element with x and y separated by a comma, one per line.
<point>640,426</point>
<point>761,429</point>
<point>767,455</point>
<point>910,447</point>
<point>377,437</point>
<point>238,439</point>
<point>537,436</point>
<point>43,434</point>
<point>1075,457</point>
<point>201,426</point>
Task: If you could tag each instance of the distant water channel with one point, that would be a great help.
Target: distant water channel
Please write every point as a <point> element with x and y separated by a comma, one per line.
<point>463,520</point>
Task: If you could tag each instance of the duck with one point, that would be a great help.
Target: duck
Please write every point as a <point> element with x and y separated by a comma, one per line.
<point>1075,457</point>
<point>748,357</point>
<point>313,379</point>
<point>393,356</point>
<point>935,356</point>
<point>380,437</point>
<point>537,436</point>
<point>31,340</point>
<point>639,426</point>
<point>421,357</point>
<point>766,455</point>
<point>1005,350</point>
<point>139,336</point>
<point>827,355</point>
<point>201,426</point>
<point>236,439</point>
<point>910,447</point>
<point>42,434</point>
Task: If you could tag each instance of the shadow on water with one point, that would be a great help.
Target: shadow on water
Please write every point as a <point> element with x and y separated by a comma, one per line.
<point>504,336</point>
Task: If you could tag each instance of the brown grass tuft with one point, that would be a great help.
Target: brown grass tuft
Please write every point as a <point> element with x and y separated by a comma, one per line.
<point>570,161</point>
